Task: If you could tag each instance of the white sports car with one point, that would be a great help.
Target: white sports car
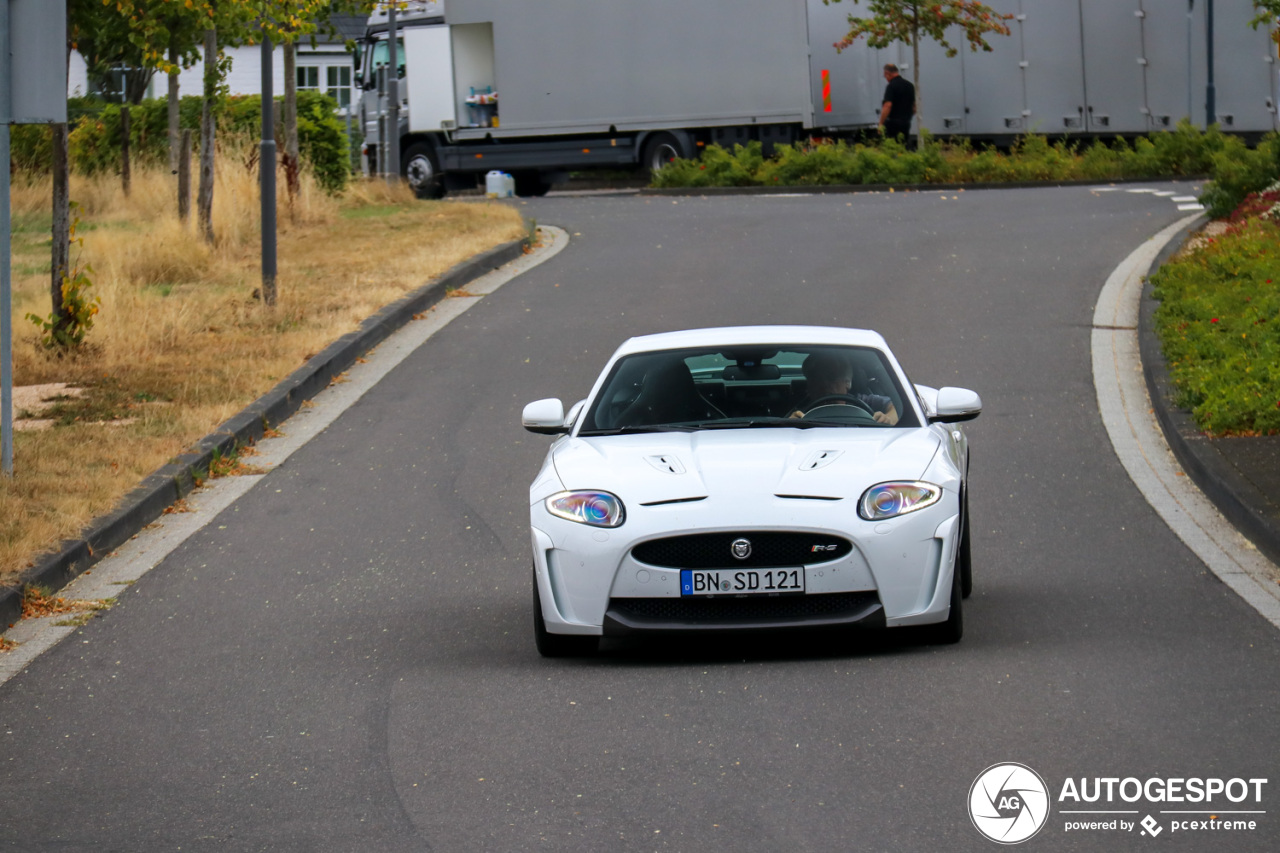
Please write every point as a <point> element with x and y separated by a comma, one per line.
<point>750,478</point>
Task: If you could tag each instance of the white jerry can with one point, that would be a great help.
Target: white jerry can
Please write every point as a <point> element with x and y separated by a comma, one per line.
<point>499,185</point>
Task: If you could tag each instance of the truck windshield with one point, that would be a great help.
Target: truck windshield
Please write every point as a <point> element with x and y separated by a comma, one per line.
<point>380,55</point>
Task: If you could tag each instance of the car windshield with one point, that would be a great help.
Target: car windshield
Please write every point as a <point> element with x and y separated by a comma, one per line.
<point>793,386</point>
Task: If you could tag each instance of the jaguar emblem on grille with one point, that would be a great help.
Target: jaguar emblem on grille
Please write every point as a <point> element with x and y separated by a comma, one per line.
<point>741,548</point>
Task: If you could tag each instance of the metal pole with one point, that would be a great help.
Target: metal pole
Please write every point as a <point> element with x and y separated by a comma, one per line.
<point>393,101</point>
<point>267,165</point>
<point>1210,108</point>
<point>1191,5</point>
<point>6,290</point>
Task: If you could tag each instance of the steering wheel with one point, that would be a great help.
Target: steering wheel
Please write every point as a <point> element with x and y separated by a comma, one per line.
<point>837,399</point>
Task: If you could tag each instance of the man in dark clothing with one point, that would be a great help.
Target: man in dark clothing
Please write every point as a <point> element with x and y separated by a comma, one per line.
<point>899,104</point>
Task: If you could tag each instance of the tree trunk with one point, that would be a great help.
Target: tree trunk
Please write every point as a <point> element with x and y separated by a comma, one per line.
<point>126,176</point>
<point>204,195</point>
<point>60,260</point>
<point>915,73</point>
<point>184,176</point>
<point>174,140</point>
<point>290,158</point>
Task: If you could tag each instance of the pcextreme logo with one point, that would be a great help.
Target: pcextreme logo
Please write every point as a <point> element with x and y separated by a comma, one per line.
<point>1009,803</point>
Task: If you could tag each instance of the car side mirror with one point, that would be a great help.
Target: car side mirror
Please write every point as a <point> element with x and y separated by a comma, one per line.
<point>544,417</point>
<point>954,405</point>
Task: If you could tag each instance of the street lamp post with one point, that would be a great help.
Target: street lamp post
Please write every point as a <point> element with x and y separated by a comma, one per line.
<point>1210,108</point>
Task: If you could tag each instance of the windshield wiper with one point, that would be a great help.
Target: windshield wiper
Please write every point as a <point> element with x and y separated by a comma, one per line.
<point>635,430</point>
<point>755,423</point>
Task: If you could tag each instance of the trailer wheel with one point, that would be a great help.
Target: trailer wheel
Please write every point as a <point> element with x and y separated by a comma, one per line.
<point>531,184</point>
<point>420,170</point>
<point>660,150</point>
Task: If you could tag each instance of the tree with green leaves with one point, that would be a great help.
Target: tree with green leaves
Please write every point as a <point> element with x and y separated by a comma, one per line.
<point>223,23</point>
<point>1268,14</point>
<point>907,21</point>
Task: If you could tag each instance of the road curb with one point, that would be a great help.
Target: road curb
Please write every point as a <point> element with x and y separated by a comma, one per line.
<point>1239,500</point>
<point>175,480</point>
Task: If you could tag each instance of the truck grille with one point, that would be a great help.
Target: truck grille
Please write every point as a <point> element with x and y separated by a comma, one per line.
<point>715,550</point>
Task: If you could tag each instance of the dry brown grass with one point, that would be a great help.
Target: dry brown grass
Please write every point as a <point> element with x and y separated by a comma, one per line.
<point>181,343</point>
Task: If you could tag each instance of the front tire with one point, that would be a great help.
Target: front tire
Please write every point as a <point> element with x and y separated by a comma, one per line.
<point>966,556</point>
<point>421,171</point>
<point>557,645</point>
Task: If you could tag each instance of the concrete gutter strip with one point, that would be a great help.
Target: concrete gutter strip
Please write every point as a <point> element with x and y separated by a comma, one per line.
<point>1238,499</point>
<point>172,482</point>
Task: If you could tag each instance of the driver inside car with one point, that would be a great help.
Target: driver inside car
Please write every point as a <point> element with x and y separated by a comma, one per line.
<point>829,375</point>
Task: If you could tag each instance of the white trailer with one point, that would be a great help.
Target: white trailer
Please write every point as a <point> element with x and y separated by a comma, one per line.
<point>540,89</point>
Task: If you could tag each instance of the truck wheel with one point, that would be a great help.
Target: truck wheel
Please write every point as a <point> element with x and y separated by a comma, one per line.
<point>660,150</point>
<point>531,184</point>
<point>419,168</point>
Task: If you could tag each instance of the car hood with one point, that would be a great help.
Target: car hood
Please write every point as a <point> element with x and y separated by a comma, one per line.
<point>672,466</point>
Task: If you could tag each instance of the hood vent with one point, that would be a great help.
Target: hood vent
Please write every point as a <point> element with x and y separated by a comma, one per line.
<point>666,463</point>
<point>820,459</point>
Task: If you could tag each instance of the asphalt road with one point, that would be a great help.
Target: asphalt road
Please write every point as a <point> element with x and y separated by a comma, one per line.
<point>344,660</point>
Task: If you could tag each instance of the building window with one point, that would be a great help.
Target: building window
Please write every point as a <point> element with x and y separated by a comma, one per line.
<point>338,84</point>
<point>308,77</point>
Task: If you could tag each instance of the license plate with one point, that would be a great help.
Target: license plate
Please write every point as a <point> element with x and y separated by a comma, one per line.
<point>741,581</point>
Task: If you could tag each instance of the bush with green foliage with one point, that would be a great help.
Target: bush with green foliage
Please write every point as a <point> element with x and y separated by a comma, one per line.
<point>1219,322</point>
<point>94,142</point>
<point>322,136</point>
<point>1183,151</point>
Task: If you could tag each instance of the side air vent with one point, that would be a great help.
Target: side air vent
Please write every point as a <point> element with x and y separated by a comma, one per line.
<point>675,501</point>
<point>820,459</point>
<point>666,463</point>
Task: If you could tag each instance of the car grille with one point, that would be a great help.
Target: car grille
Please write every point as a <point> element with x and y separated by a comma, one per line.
<point>715,550</point>
<point>756,608</point>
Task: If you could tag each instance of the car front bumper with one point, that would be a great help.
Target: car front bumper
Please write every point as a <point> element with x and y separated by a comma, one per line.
<point>898,572</point>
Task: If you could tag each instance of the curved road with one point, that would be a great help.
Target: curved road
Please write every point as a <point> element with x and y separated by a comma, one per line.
<point>343,660</point>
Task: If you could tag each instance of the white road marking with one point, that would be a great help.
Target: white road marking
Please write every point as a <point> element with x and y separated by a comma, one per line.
<point>115,572</point>
<point>1191,207</point>
<point>1141,190</point>
<point>1139,443</point>
<point>1184,198</point>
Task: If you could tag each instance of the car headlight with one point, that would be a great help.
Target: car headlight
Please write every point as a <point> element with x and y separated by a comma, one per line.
<point>599,509</point>
<point>888,500</point>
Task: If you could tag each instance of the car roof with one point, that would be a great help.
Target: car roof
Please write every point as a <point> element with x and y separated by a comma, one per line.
<point>748,335</point>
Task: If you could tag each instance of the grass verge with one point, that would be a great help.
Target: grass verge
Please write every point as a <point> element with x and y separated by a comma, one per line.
<point>1219,322</point>
<point>182,342</point>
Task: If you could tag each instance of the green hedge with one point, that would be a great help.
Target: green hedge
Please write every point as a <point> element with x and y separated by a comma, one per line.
<point>95,138</point>
<point>1236,169</point>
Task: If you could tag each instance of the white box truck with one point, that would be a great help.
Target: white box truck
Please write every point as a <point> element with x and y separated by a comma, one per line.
<point>539,89</point>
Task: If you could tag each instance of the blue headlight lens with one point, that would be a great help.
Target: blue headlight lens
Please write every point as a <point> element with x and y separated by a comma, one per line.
<point>599,509</point>
<point>888,500</point>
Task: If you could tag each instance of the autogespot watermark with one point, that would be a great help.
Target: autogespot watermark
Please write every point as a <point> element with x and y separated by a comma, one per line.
<point>1009,803</point>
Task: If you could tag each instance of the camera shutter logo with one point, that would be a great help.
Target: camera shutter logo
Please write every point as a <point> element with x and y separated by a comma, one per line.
<point>1009,803</point>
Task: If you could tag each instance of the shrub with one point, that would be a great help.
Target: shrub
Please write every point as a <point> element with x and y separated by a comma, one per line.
<point>95,143</point>
<point>1239,171</point>
<point>1219,321</point>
